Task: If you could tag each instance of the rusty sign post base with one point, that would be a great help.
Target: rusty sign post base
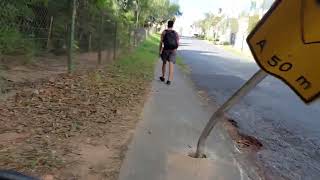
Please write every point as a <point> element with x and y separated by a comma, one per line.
<point>217,116</point>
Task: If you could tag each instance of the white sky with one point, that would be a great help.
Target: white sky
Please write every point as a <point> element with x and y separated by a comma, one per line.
<point>194,9</point>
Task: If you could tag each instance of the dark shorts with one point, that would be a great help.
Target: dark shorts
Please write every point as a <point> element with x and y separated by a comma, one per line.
<point>169,56</point>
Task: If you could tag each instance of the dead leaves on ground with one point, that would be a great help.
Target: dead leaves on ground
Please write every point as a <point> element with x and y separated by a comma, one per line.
<point>54,111</point>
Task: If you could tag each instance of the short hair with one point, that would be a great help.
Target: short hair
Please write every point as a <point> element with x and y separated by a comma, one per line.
<point>170,24</point>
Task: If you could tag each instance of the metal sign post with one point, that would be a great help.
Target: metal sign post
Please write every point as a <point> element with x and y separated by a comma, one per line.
<point>217,116</point>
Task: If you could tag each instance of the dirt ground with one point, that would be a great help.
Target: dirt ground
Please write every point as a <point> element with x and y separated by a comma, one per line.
<point>59,126</point>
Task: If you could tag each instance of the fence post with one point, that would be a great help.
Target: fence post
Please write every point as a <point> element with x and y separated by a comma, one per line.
<point>71,39</point>
<point>135,37</point>
<point>100,39</point>
<point>129,37</point>
<point>115,40</point>
<point>90,42</point>
<point>49,33</point>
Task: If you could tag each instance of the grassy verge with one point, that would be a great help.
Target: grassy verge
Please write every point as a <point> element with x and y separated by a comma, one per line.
<point>139,64</point>
<point>183,66</point>
<point>236,51</point>
<point>58,126</point>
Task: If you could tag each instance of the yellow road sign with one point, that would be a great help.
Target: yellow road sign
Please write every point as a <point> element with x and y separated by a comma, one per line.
<point>286,44</point>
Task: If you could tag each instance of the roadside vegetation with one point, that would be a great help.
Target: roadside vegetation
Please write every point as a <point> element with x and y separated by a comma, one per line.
<point>237,52</point>
<point>182,65</point>
<point>31,28</point>
<point>80,121</point>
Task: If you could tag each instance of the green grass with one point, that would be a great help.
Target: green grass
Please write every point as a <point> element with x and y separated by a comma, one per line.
<point>183,65</point>
<point>236,51</point>
<point>139,64</point>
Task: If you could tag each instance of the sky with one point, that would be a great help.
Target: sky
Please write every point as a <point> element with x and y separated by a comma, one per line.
<point>194,10</point>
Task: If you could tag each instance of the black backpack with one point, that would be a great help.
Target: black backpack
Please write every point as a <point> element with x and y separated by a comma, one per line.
<point>170,40</point>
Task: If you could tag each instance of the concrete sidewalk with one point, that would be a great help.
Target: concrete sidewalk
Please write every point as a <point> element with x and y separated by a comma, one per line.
<point>173,119</point>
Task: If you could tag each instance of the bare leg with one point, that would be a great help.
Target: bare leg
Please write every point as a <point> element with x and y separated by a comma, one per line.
<point>163,69</point>
<point>171,71</point>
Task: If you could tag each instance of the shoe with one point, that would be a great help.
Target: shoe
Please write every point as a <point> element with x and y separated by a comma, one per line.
<point>168,82</point>
<point>162,79</point>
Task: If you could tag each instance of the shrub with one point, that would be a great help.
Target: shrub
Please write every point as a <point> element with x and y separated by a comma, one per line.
<point>226,43</point>
<point>13,42</point>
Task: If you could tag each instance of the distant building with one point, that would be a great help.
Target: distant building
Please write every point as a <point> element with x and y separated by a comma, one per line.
<point>247,22</point>
<point>234,31</point>
<point>225,31</point>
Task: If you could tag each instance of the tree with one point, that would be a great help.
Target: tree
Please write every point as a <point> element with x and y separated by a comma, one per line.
<point>210,21</point>
<point>30,19</point>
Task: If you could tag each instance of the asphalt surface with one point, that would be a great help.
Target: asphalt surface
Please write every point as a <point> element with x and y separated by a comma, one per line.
<point>288,129</point>
<point>173,118</point>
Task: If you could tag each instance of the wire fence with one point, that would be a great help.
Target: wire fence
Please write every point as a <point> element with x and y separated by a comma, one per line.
<point>64,28</point>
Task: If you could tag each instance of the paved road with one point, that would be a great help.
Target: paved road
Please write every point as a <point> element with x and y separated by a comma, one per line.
<point>173,119</point>
<point>289,130</point>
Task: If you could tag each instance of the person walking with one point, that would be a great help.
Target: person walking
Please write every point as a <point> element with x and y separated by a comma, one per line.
<point>168,51</point>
